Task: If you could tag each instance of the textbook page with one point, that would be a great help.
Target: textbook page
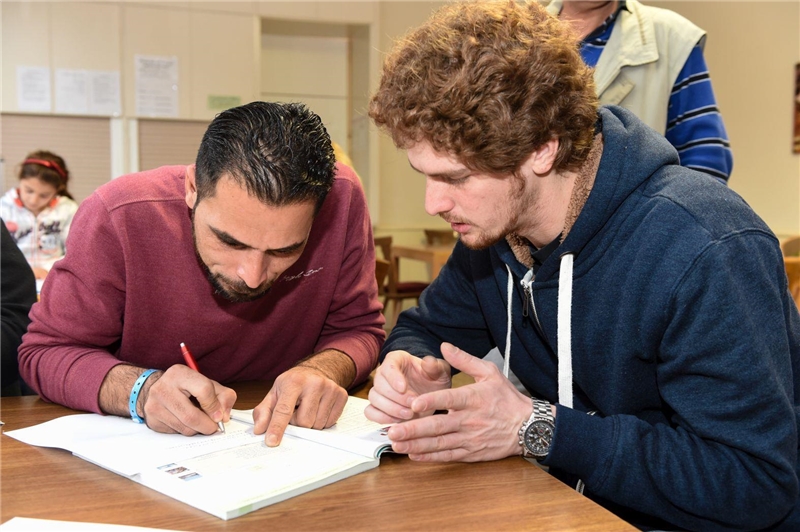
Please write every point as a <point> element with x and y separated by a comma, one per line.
<point>231,483</point>
<point>352,432</point>
<point>225,474</point>
<point>122,446</point>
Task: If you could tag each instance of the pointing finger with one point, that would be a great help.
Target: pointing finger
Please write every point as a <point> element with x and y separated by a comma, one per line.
<point>461,360</point>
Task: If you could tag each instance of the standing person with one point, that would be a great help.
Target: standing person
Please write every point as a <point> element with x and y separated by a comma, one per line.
<point>643,304</point>
<point>650,61</point>
<point>18,294</point>
<point>259,258</point>
<point>39,212</point>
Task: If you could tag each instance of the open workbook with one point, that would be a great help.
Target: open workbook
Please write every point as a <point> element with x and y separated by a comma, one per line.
<point>226,475</point>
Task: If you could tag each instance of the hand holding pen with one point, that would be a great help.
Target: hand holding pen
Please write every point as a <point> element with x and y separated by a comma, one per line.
<point>192,363</point>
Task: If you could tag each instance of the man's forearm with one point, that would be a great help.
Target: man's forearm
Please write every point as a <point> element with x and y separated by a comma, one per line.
<point>335,365</point>
<point>116,390</point>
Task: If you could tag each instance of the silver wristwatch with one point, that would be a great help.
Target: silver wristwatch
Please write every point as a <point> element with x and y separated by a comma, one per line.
<point>536,433</point>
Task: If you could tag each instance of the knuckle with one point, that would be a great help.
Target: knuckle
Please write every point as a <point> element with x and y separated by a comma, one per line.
<point>283,409</point>
<point>304,418</point>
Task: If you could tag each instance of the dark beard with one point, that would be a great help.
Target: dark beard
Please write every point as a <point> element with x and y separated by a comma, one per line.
<point>242,294</point>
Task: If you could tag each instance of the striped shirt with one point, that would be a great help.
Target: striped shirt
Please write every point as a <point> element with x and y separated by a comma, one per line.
<point>694,123</point>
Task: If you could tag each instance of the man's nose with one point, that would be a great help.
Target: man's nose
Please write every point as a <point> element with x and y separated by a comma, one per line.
<point>437,199</point>
<point>253,268</point>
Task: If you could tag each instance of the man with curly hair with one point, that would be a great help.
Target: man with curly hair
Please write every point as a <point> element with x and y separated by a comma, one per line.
<point>259,257</point>
<point>643,305</point>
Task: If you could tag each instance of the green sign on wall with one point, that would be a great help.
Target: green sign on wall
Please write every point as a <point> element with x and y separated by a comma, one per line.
<point>220,103</point>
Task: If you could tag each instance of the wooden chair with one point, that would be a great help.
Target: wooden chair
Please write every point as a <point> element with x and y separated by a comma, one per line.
<point>440,237</point>
<point>791,247</point>
<point>381,274</point>
<point>395,291</point>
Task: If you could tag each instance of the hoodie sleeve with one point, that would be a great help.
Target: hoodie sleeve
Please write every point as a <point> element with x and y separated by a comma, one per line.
<point>448,308</point>
<point>727,459</point>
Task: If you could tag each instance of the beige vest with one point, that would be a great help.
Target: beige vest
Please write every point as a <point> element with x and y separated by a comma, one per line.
<point>644,55</point>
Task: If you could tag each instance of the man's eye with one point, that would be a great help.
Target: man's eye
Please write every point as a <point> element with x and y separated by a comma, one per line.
<point>233,245</point>
<point>284,254</point>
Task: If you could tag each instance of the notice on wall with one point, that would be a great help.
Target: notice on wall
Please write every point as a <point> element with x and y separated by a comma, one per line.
<point>156,85</point>
<point>104,93</point>
<point>33,89</point>
<point>72,92</point>
<point>87,92</point>
<point>221,103</point>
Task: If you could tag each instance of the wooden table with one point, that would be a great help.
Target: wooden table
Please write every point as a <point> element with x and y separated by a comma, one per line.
<point>509,494</point>
<point>434,256</point>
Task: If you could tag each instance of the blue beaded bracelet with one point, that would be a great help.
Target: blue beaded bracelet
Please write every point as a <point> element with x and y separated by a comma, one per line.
<point>137,387</point>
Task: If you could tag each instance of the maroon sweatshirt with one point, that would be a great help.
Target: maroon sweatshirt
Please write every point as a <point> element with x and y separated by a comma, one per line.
<point>131,289</point>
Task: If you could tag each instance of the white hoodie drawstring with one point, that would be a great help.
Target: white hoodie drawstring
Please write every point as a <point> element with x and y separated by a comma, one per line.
<point>565,331</point>
<point>507,355</point>
<point>564,336</point>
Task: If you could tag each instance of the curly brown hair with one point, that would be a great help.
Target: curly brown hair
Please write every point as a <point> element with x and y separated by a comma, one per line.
<point>488,83</point>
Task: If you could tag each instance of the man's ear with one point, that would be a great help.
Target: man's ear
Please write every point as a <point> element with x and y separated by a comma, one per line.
<point>541,161</point>
<point>191,186</point>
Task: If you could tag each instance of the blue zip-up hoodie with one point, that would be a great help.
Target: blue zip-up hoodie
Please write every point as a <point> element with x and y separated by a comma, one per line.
<point>684,341</point>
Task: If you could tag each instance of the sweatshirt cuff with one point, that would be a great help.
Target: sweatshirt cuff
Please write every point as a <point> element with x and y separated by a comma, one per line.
<point>362,349</point>
<point>82,384</point>
<point>582,444</point>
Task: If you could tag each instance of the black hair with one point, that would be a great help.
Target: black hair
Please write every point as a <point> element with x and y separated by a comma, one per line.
<point>280,153</point>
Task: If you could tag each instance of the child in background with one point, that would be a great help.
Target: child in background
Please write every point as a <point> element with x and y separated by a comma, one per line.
<point>38,213</point>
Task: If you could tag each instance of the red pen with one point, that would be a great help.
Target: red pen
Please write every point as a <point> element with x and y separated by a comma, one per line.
<point>187,356</point>
<point>192,363</point>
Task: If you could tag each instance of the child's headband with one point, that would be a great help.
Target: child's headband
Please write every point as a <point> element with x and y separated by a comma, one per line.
<point>48,164</point>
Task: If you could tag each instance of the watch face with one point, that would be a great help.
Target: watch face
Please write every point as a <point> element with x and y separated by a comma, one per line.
<point>538,436</point>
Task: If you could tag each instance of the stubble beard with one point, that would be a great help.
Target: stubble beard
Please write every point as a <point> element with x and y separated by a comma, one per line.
<point>510,210</point>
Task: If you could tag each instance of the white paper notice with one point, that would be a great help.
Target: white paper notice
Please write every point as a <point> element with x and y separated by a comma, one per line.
<point>33,89</point>
<point>104,95</point>
<point>72,91</point>
<point>156,85</point>
<point>92,92</point>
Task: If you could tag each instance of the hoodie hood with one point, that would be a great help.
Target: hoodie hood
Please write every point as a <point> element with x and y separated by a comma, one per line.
<point>620,173</point>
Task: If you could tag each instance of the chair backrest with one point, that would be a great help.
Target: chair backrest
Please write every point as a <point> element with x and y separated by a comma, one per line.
<point>440,237</point>
<point>384,243</point>
<point>792,265</point>
<point>382,267</point>
<point>791,247</point>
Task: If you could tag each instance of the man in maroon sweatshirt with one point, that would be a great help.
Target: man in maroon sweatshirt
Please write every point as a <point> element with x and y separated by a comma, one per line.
<point>259,257</point>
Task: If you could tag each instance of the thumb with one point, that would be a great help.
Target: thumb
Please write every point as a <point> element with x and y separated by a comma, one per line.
<point>211,406</point>
<point>461,360</point>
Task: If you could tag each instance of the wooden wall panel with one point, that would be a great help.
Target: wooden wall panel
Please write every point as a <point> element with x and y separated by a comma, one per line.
<point>166,142</point>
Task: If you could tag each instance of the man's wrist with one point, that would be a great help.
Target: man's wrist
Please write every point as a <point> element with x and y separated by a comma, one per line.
<point>332,364</point>
<point>115,390</point>
<point>143,395</point>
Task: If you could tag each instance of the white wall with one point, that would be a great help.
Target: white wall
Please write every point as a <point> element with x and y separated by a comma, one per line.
<point>751,49</point>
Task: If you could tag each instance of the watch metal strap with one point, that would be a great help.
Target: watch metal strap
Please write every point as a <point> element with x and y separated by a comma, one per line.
<point>542,409</point>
